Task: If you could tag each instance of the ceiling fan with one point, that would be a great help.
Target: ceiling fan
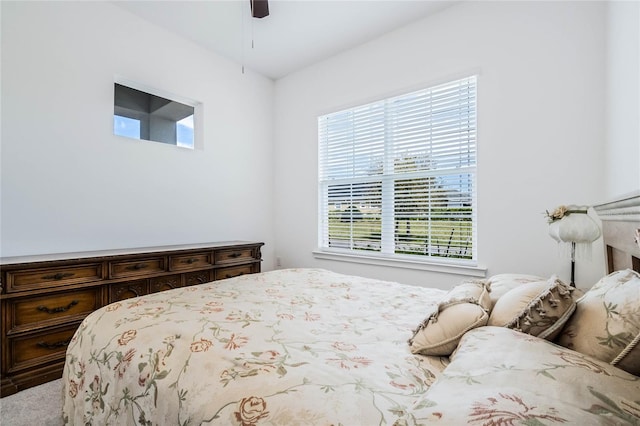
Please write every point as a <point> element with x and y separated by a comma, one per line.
<point>259,8</point>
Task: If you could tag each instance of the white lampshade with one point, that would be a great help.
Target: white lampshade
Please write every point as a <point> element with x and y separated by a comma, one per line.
<point>576,226</point>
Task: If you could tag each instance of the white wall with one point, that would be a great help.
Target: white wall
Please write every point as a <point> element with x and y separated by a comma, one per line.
<point>69,184</point>
<point>623,98</point>
<point>541,126</point>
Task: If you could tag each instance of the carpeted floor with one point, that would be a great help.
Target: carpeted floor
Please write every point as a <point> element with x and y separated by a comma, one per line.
<point>40,405</point>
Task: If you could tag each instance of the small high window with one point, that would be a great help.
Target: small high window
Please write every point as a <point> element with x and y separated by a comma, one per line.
<point>141,115</point>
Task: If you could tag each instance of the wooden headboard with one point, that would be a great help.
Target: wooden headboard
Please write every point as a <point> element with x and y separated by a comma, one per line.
<point>621,232</point>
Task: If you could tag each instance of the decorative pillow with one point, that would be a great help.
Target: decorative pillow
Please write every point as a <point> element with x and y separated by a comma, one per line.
<point>606,324</point>
<point>500,284</point>
<point>538,308</point>
<point>465,307</point>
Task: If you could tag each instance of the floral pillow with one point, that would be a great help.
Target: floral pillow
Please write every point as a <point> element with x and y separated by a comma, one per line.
<point>500,284</point>
<point>539,308</point>
<point>465,307</point>
<point>606,324</point>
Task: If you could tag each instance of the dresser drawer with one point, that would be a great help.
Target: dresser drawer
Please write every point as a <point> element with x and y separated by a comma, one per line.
<point>29,279</point>
<point>192,261</point>
<point>199,277</point>
<point>233,271</point>
<point>33,312</point>
<point>132,268</point>
<point>168,282</point>
<point>39,348</point>
<point>233,255</point>
<point>127,290</point>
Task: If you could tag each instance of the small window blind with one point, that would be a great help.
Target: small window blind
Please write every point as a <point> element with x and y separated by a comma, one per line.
<point>397,176</point>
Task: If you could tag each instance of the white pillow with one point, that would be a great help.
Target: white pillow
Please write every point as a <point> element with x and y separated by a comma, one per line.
<point>539,308</point>
<point>606,324</point>
<point>500,284</point>
<point>465,307</point>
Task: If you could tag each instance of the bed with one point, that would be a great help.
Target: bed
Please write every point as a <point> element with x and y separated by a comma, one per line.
<point>311,346</point>
<point>237,351</point>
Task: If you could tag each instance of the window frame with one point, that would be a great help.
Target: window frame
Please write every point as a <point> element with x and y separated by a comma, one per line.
<point>465,266</point>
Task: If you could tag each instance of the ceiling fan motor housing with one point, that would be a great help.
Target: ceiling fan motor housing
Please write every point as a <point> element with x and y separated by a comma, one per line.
<point>259,8</point>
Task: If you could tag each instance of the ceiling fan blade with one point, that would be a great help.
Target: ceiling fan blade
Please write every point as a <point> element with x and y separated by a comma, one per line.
<point>259,8</point>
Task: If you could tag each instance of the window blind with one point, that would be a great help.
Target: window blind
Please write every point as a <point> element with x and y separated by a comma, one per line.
<point>397,176</point>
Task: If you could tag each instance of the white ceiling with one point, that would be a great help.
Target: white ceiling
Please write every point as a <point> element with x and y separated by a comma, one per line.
<point>296,34</point>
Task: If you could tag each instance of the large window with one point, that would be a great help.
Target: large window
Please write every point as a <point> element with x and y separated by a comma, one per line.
<point>397,176</point>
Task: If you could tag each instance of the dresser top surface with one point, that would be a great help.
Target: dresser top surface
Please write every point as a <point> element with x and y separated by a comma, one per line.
<point>121,252</point>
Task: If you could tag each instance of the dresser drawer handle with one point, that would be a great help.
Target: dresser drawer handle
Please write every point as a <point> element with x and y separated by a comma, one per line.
<point>191,260</point>
<point>58,276</point>
<point>61,344</point>
<point>59,308</point>
<point>137,266</point>
<point>234,255</point>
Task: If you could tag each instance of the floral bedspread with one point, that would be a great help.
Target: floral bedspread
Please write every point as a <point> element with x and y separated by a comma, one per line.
<point>280,348</point>
<point>498,376</point>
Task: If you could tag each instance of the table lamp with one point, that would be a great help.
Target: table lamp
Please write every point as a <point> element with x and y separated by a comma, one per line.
<point>575,230</point>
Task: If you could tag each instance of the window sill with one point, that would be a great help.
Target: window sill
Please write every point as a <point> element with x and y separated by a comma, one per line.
<point>400,262</point>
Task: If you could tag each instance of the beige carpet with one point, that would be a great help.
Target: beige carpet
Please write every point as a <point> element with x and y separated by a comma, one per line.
<point>40,405</point>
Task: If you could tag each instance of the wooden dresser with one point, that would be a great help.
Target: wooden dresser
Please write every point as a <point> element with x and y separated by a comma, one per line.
<point>45,298</point>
